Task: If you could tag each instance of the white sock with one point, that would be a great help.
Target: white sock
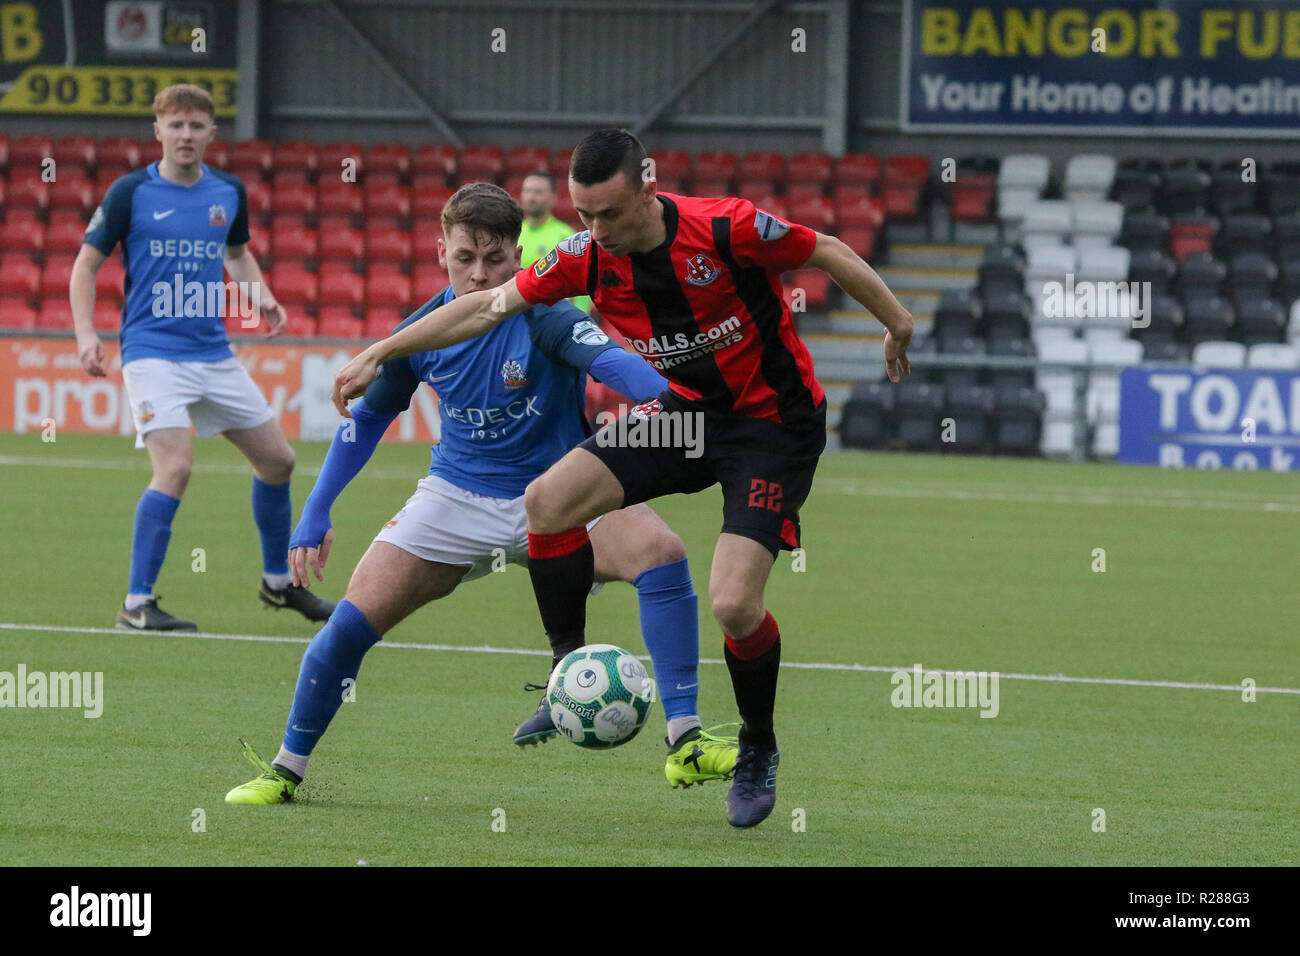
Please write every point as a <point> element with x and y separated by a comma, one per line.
<point>296,763</point>
<point>680,725</point>
<point>276,582</point>
<point>134,601</point>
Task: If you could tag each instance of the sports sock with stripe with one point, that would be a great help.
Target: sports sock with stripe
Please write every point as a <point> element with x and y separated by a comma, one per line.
<point>754,663</point>
<point>562,568</point>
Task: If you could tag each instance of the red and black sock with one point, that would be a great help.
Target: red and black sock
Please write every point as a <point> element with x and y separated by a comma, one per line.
<point>754,662</point>
<point>562,567</point>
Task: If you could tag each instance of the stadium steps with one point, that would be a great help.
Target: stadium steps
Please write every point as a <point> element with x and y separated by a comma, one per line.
<point>936,255</point>
<point>927,278</point>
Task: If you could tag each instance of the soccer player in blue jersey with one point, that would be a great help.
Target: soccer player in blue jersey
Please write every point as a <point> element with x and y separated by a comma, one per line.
<point>178,222</point>
<point>511,404</point>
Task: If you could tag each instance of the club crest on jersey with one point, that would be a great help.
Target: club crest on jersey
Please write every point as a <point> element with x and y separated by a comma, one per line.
<point>544,265</point>
<point>216,215</point>
<point>769,227</point>
<point>513,374</point>
<point>144,412</point>
<point>646,409</point>
<point>96,220</point>
<point>700,269</point>
<point>576,244</point>
<point>587,332</point>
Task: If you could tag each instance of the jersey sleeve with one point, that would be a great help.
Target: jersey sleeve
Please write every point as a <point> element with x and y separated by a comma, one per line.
<point>109,225</point>
<point>564,334</point>
<point>759,238</point>
<point>567,270</point>
<point>238,234</point>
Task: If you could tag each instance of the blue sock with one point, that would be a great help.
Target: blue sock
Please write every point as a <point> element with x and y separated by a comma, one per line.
<point>670,626</point>
<point>333,656</point>
<point>153,529</point>
<point>273,514</point>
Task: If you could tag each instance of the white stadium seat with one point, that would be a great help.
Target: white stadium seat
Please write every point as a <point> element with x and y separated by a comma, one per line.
<point>1089,177</point>
<point>1103,382</point>
<point>1024,171</point>
<point>1215,354</point>
<point>1272,356</point>
<point>1096,223</point>
<point>1046,221</point>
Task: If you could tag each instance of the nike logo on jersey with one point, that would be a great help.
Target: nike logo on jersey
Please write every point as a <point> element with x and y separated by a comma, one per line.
<point>162,215</point>
<point>440,378</point>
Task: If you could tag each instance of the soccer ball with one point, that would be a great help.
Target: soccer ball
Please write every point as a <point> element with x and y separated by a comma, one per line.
<point>600,696</point>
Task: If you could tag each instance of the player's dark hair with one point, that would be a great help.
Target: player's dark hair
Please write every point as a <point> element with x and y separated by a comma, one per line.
<point>605,152</point>
<point>542,174</point>
<point>483,208</point>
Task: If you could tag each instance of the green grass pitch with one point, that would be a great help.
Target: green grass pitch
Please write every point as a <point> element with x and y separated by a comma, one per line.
<point>974,564</point>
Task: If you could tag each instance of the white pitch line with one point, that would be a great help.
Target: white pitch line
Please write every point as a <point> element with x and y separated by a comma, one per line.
<point>488,649</point>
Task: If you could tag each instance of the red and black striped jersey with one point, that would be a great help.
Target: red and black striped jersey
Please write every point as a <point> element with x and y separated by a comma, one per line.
<point>704,307</point>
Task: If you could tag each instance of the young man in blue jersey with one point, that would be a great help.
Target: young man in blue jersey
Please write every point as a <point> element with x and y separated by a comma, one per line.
<point>179,222</point>
<point>511,404</point>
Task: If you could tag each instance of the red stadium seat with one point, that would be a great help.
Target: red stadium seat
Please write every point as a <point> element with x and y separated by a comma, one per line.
<point>670,162</point>
<point>526,159</point>
<point>105,177</point>
<point>381,322</point>
<point>424,240</point>
<point>972,199</point>
<point>75,151</point>
<point>803,190</point>
<point>383,179</point>
<point>347,244</point>
<point>849,192</point>
<point>327,223</point>
<point>59,217</point>
<point>288,220</point>
<point>902,201</point>
<point>861,169</point>
<point>252,155</point>
<point>388,245</point>
<point>339,198</point>
<point>1189,238</point>
<point>293,198</point>
<point>300,326</point>
<point>335,158</point>
<point>428,279</point>
<point>259,243</point>
<point>428,201</point>
<point>563,210</point>
<point>815,213</point>
<point>860,212</point>
<point>16,314</point>
<point>429,181</point>
<point>259,197</point>
<point>809,168</point>
<point>341,288</point>
<point>711,188</point>
<point>30,150</point>
<point>4,151</point>
<point>756,192</point>
<point>777,206</point>
<point>815,284</point>
<point>714,164</point>
<point>339,327</point>
<point>217,154</point>
<point>22,232</point>
<point>294,285</point>
<point>119,151</point>
<point>912,170</point>
<point>558,164</point>
<point>107,316</point>
<point>669,184</point>
<point>435,158</point>
<point>387,287</point>
<point>55,315</point>
<point>3,188</point>
<point>859,239</point>
<point>388,158</point>
<point>514,185</point>
<point>296,156</point>
<point>387,201</point>
<point>480,162</point>
<point>110,280</point>
<point>150,150</point>
<point>762,167</point>
<point>289,177</point>
<point>28,191</point>
<point>19,276</point>
<point>64,236</point>
<point>294,243</point>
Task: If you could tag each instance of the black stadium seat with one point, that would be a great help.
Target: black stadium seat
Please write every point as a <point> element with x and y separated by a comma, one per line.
<point>1184,190</point>
<point>1166,351</point>
<point>865,422</point>
<point>1202,275</point>
<point>918,408</point>
<point>1252,274</point>
<point>971,409</point>
<point>1208,319</point>
<point>1135,189</point>
<point>1154,266</point>
<point>1144,229</point>
<point>1244,233</point>
<point>1010,377</point>
<point>1001,270</point>
<point>1261,320</point>
<point>957,314</point>
<point>962,345</point>
<point>1167,320</point>
<point>1018,420</point>
<point>1232,195</point>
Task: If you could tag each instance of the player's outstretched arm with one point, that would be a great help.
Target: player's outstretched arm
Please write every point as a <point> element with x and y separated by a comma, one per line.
<point>81,293</point>
<point>852,274</point>
<point>465,317</point>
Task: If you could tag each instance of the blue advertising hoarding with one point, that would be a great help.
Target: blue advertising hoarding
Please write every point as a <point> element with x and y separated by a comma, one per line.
<point>1222,418</point>
<point>1188,67</point>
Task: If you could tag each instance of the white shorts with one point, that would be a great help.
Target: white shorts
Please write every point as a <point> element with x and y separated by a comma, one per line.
<point>444,523</point>
<point>212,396</point>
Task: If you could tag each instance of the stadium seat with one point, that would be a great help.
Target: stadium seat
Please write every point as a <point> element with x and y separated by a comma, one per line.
<point>1001,270</point>
<point>865,420</point>
<point>289,177</point>
<point>30,150</point>
<point>521,160</point>
<point>1219,354</point>
<point>1201,274</point>
<point>1134,189</point>
<point>288,242</point>
<point>1192,235</point>
<point>339,198</point>
<point>439,158</point>
<point>1232,196</point>
<point>1047,222</point>
<point>107,316</point>
<point>217,154</point>
<point>480,162</point>
<point>110,280</point>
<point>293,285</point>
<point>75,151</point>
<point>380,322</point>
<point>427,280</point>
<point>1010,348</point>
<point>339,327</point>
<point>1286,235</point>
<point>341,288</point>
<point>855,212</point>
<point>297,198</point>
<point>119,151</point>
<point>15,313</point>
<point>346,243</point>
<point>253,157</point>
<point>427,201</point>
<point>22,232</point>
<point>971,409</point>
<point>1261,321</point>
<point>64,236</point>
<point>1047,264</point>
<point>259,197</point>
<point>972,199</point>
<point>19,276</point>
<point>1208,319</point>
<point>861,241</point>
<point>815,213</point>
<point>1095,222</point>
<point>1018,414</point>
<point>295,156</point>
<point>1103,264</point>
<point>912,170</point>
<point>299,326</point>
<point>27,191</point>
<point>918,410</point>
<point>1089,178</point>
<point>768,168</point>
<point>1144,230</point>
<point>715,164</point>
<point>55,315</point>
<point>70,192</point>
<point>558,166</point>
<point>1022,178</point>
<point>331,159</point>
<point>1244,233</point>
<point>56,275</point>
<point>1166,352</point>
<point>668,162</point>
<point>388,158</point>
<point>1058,383</point>
<point>1269,355</point>
<point>388,245</point>
<point>387,201</point>
<point>1183,190</point>
<point>711,188</point>
<point>857,169</point>
<point>967,346</point>
<point>1108,358</point>
<point>1281,193</point>
<point>1153,266</point>
<point>957,314</point>
<point>809,168</point>
<point>1006,315</point>
<point>424,240</point>
<point>1252,274</point>
<point>902,201</point>
<point>387,288</point>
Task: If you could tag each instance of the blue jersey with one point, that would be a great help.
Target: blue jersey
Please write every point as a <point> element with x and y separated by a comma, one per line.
<point>174,241</point>
<point>511,401</point>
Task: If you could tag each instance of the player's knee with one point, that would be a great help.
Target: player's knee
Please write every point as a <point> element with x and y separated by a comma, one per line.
<point>736,612</point>
<point>663,548</point>
<point>277,469</point>
<point>174,474</point>
<point>545,510</point>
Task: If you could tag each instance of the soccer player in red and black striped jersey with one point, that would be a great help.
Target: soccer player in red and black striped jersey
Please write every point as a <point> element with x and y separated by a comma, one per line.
<point>694,284</point>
